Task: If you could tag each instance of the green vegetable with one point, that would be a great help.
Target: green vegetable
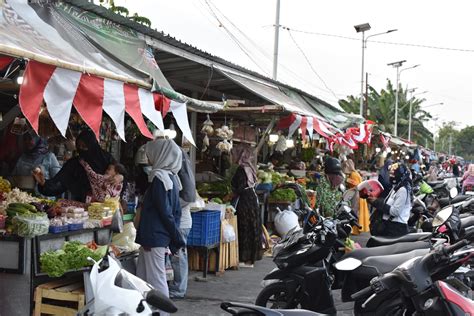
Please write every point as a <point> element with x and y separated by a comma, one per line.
<point>217,200</point>
<point>72,256</point>
<point>30,224</point>
<point>286,195</point>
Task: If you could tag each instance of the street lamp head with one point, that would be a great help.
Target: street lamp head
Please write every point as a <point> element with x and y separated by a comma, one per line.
<point>397,63</point>
<point>390,31</point>
<point>362,27</point>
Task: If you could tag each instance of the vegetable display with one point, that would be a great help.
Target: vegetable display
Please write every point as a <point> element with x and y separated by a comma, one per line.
<point>72,256</point>
<point>5,185</point>
<point>286,195</point>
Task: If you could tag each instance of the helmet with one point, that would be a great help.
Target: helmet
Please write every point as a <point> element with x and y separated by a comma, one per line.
<point>370,188</point>
<point>332,166</point>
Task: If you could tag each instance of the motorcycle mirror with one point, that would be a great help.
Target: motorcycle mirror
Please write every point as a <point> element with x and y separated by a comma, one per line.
<point>346,208</point>
<point>442,216</point>
<point>158,300</point>
<point>342,187</point>
<point>453,192</point>
<point>348,195</point>
<point>348,264</point>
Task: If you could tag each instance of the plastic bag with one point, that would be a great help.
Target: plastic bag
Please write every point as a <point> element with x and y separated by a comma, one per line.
<point>126,239</point>
<point>285,221</point>
<point>30,226</point>
<point>228,231</point>
<point>117,222</point>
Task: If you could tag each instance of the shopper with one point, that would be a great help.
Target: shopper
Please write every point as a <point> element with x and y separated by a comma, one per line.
<point>36,155</point>
<point>361,207</point>
<point>72,176</point>
<point>158,227</point>
<point>384,176</point>
<point>468,179</point>
<point>246,204</point>
<point>393,212</point>
<point>187,196</point>
<point>433,172</point>
<point>327,190</point>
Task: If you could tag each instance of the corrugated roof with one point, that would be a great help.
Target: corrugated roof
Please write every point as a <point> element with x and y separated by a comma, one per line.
<point>117,18</point>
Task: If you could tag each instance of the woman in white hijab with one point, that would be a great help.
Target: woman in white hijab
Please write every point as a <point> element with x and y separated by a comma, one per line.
<point>158,227</point>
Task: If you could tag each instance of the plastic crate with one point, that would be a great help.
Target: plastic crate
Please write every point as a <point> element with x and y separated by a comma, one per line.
<point>206,228</point>
<point>73,227</point>
<point>58,229</point>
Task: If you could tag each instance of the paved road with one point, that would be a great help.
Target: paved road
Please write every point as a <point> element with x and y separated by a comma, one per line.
<point>243,285</point>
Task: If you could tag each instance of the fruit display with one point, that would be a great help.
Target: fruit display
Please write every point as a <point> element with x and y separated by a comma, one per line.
<point>5,185</point>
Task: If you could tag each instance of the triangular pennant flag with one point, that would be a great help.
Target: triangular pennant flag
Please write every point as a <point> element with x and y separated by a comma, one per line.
<point>88,101</point>
<point>181,116</point>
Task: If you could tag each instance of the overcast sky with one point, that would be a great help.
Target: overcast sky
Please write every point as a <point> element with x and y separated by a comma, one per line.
<point>447,75</point>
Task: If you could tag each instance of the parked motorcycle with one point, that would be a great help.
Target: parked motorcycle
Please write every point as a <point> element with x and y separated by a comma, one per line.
<point>416,287</point>
<point>118,292</point>
<point>242,309</point>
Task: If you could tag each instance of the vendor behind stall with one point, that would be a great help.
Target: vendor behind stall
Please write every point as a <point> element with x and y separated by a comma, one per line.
<point>36,155</point>
<point>72,176</point>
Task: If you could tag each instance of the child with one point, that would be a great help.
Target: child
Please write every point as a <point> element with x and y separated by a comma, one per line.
<point>108,185</point>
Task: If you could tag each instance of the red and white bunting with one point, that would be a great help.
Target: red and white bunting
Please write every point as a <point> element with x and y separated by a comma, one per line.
<point>385,140</point>
<point>351,138</point>
<point>61,89</point>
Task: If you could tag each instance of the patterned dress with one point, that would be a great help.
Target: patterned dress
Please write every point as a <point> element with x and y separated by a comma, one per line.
<point>327,198</point>
<point>101,185</point>
<point>248,219</point>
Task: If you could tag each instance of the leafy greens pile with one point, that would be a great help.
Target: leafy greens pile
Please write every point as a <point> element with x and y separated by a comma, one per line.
<point>72,256</point>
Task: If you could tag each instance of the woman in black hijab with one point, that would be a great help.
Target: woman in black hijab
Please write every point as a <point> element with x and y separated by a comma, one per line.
<point>72,176</point>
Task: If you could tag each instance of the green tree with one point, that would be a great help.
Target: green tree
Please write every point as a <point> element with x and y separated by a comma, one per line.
<point>447,134</point>
<point>465,143</point>
<point>381,109</point>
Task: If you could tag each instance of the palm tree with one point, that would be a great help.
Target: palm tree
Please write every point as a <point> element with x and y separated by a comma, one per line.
<point>381,110</point>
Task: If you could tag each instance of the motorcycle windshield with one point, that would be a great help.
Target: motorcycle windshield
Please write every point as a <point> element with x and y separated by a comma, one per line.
<point>128,281</point>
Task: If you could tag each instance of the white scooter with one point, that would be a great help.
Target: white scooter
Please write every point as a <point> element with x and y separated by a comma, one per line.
<point>118,292</point>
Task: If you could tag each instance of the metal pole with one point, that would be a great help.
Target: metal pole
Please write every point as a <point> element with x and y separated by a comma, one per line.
<point>275,47</point>
<point>361,107</point>
<point>409,121</point>
<point>450,143</point>
<point>366,103</point>
<point>395,129</point>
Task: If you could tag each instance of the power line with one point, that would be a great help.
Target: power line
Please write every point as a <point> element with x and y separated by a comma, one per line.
<point>384,42</point>
<point>310,64</point>
<point>233,38</point>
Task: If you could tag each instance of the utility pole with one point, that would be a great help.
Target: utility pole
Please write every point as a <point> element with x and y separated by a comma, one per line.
<point>366,101</point>
<point>450,143</point>
<point>275,47</point>
<point>397,66</point>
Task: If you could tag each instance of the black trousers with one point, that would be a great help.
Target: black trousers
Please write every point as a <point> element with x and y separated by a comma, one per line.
<point>394,229</point>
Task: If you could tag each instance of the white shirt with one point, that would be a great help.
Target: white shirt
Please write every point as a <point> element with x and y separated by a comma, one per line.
<point>186,219</point>
<point>400,206</point>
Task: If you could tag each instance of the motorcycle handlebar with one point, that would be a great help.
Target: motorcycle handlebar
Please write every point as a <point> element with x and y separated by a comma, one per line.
<point>362,293</point>
<point>456,246</point>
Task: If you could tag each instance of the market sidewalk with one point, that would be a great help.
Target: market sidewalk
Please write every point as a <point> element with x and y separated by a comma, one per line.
<point>243,285</point>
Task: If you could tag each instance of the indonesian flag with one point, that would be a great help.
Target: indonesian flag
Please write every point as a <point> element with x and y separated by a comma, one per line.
<point>384,140</point>
<point>61,89</point>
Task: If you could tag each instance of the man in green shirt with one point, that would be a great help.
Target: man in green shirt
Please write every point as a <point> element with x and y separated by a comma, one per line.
<point>327,193</point>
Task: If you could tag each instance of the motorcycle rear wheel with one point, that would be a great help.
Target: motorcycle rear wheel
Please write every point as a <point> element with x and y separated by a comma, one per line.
<point>276,296</point>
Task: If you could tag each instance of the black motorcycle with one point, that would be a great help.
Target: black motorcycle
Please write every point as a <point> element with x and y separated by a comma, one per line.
<point>416,287</point>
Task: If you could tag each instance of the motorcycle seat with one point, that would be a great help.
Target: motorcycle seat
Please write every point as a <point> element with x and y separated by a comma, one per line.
<point>298,312</point>
<point>443,202</point>
<point>376,241</point>
<point>403,247</point>
<point>436,183</point>
<point>467,222</point>
<point>377,265</point>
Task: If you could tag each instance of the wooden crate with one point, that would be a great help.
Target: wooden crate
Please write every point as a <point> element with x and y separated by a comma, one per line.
<point>64,298</point>
<point>228,253</point>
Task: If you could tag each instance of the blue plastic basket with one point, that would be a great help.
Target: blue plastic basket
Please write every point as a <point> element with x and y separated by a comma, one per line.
<point>58,229</point>
<point>73,227</point>
<point>206,228</point>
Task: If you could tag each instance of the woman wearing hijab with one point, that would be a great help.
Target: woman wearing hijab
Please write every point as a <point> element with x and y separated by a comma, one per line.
<point>158,227</point>
<point>384,177</point>
<point>468,179</point>
<point>248,213</point>
<point>395,209</point>
<point>36,154</point>
<point>72,176</point>
<point>361,207</point>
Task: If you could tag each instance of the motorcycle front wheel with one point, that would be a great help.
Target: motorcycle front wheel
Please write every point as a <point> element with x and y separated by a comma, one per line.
<point>277,296</point>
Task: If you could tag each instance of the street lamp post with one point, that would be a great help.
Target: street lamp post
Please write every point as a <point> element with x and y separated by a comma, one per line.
<point>362,28</point>
<point>410,116</point>
<point>396,65</point>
